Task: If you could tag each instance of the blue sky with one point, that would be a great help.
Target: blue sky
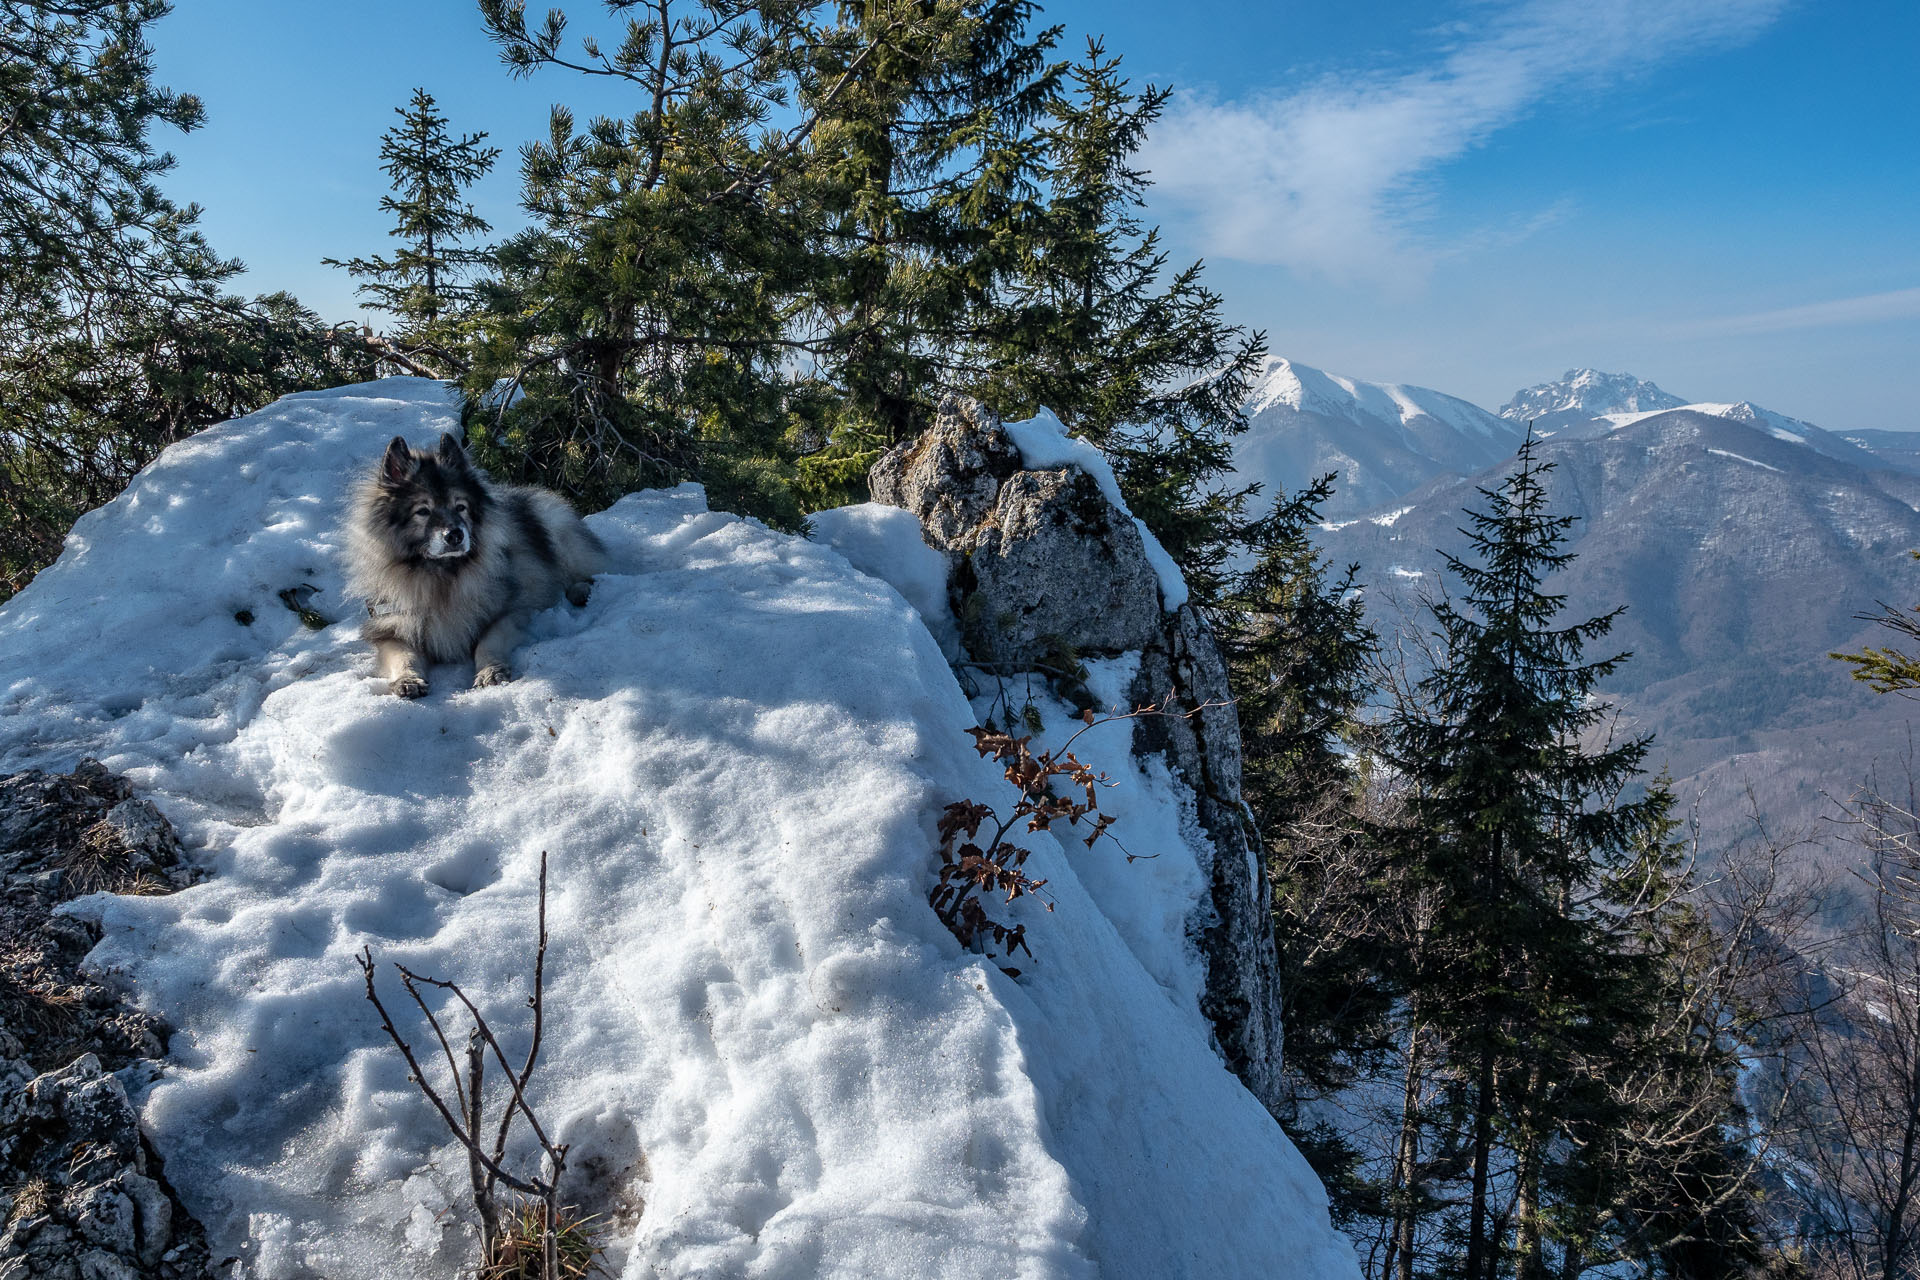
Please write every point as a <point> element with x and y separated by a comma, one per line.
<point>1720,195</point>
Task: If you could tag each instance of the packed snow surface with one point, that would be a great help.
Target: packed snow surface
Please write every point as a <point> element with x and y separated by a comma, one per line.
<point>771,1060</point>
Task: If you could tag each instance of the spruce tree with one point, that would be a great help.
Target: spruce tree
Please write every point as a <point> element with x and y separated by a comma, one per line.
<point>1129,354</point>
<point>1299,651</point>
<point>1514,820</point>
<point>928,174</point>
<point>426,283</point>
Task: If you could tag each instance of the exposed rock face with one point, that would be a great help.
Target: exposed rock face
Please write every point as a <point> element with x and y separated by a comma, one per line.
<point>81,1196</point>
<point>1040,560</point>
<point>1242,998</point>
<point>1040,557</point>
<point>950,475</point>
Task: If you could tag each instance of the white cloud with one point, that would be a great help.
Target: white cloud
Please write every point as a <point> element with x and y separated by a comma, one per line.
<point>1871,308</point>
<point>1332,178</point>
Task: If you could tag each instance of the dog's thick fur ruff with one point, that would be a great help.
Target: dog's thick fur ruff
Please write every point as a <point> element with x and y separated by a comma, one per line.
<point>452,566</point>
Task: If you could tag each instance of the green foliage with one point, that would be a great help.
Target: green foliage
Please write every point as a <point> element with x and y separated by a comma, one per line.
<point>426,283</point>
<point>816,222</point>
<point>1093,325</point>
<point>115,336</point>
<point>1584,1034</point>
<point>1299,651</point>
<point>1513,820</point>
<point>1889,670</point>
<point>642,323</point>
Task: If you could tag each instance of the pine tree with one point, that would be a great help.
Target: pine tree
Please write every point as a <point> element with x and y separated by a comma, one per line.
<point>426,283</point>
<point>115,336</point>
<point>766,308</point>
<point>1129,355</point>
<point>1515,819</point>
<point>650,326</point>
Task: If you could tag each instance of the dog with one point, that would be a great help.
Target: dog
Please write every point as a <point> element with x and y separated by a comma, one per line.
<point>453,566</point>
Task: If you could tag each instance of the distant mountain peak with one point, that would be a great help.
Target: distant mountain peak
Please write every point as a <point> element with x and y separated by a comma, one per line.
<point>1301,387</point>
<point>1591,392</point>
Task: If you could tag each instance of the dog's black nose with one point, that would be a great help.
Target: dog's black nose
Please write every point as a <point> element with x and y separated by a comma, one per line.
<point>455,537</point>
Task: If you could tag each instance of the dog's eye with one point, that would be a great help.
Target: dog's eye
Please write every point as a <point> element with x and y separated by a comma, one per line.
<point>460,508</point>
<point>421,513</point>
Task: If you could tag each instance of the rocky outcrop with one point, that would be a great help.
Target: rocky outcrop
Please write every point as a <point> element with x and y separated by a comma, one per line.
<point>81,1192</point>
<point>82,1198</point>
<point>1242,998</point>
<point>1041,563</point>
<point>1040,558</point>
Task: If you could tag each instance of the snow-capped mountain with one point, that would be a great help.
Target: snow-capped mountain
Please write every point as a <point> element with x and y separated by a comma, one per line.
<point>1586,393</point>
<point>1742,543</point>
<point>1379,439</point>
<point>1780,427</point>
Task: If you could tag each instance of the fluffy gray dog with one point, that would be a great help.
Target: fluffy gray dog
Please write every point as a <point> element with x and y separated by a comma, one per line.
<point>452,566</point>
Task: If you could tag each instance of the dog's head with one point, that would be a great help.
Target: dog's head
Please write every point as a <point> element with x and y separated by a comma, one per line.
<point>430,506</point>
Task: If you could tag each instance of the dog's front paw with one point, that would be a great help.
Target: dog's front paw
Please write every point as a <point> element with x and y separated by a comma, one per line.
<point>407,686</point>
<point>495,673</point>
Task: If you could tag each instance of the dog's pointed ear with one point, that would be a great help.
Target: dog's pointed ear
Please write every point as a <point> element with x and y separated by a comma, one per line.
<point>451,454</point>
<point>397,466</point>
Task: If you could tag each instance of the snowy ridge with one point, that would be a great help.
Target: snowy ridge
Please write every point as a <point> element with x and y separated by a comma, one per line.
<point>1306,389</point>
<point>770,1058</point>
<point>1777,425</point>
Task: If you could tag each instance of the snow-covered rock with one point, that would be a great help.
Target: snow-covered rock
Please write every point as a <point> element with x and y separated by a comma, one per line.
<point>1034,523</point>
<point>769,1056</point>
<point>1587,393</point>
<point>1052,558</point>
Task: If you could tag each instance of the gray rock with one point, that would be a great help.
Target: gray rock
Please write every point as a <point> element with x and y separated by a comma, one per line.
<point>148,836</point>
<point>950,474</point>
<point>82,1195</point>
<point>1235,932</point>
<point>1041,560</point>
<point>1055,562</point>
<point>98,1264</point>
<point>104,1215</point>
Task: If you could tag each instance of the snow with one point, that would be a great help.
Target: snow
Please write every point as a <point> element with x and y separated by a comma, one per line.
<point>1308,389</point>
<point>1044,444</point>
<point>1777,425</point>
<point>1591,392</point>
<point>770,1058</point>
<point>1386,520</point>
<point>1737,457</point>
<point>886,543</point>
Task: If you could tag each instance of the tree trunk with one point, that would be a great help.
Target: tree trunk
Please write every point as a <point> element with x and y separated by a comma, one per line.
<point>1400,1244</point>
<point>1479,1251</point>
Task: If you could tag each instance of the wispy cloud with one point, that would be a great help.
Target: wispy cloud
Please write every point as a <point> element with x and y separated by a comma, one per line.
<point>1870,308</point>
<point>1334,178</point>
